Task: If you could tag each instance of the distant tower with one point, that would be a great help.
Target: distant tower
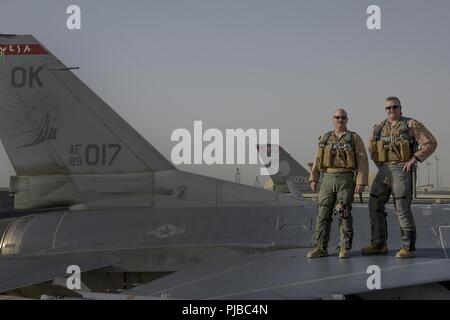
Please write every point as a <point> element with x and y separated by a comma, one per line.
<point>237,176</point>
<point>428,180</point>
<point>257,182</point>
<point>437,172</point>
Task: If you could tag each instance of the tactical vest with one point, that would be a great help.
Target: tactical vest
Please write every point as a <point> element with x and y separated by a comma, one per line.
<point>335,154</point>
<point>393,145</point>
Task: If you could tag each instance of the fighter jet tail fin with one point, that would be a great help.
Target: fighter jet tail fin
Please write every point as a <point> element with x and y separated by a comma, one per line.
<point>291,177</point>
<point>51,123</point>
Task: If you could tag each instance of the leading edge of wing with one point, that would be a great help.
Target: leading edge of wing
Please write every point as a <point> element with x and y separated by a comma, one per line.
<point>19,272</point>
<point>288,274</point>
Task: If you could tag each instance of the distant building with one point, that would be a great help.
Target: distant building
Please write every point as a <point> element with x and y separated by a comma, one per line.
<point>6,201</point>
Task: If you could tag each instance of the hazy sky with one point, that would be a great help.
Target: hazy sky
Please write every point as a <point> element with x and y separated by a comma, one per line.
<point>251,64</point>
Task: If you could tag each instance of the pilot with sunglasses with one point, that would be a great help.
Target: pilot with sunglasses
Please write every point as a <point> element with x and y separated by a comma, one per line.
<point>342,160</point>
<point>396,145</point>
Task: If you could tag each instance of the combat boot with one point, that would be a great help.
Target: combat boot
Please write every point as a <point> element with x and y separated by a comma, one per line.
<point>317,252</point>
<point>344,253</point>
<point>375,248</point>
<point>404,253</point>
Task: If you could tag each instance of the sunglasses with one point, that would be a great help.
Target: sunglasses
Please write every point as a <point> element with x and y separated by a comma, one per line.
<point>340,117</point>
<point>392,107</point>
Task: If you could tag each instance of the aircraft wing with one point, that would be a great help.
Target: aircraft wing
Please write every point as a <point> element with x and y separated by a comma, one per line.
<point>288,274</point>
<point>21,272</point>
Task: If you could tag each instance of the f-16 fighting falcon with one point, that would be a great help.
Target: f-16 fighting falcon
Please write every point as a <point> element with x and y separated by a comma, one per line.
<point>111,206</point>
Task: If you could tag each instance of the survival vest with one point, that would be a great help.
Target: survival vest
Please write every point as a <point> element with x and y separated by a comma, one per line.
<point>335,154</point>
<point>393,144</point>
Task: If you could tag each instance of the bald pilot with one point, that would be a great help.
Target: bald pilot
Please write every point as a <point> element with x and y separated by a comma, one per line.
<point>342,160</point>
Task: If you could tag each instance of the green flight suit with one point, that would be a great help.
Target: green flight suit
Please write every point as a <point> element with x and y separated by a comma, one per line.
<point>336,188</point>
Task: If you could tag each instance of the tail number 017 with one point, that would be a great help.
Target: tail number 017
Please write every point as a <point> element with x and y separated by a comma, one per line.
<point>94,154</point>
